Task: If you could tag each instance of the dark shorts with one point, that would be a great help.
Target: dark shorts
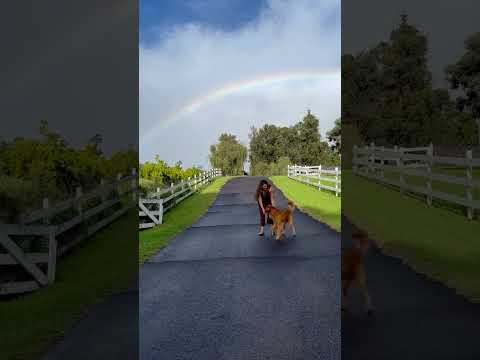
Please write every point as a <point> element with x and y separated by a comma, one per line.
<point>262,217</point>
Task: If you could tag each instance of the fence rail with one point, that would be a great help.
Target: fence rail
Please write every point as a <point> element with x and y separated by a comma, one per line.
<point>29,249</point>
<point>371,162</point>
<point>313,175</point>
<point>154,205</point>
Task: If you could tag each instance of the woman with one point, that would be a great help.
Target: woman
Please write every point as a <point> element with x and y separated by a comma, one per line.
<point>264,197</point>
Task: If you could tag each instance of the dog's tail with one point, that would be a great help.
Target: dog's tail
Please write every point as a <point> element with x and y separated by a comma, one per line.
<point>362,242</point>
<point>291,205</point>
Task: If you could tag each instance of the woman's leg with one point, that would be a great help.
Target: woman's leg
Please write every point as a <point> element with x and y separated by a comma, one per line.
<point>262,220</point>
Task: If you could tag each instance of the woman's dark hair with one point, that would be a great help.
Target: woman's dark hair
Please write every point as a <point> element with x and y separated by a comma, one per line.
<point>259,188</point>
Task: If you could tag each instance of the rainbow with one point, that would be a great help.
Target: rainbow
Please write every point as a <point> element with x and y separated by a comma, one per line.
<point>238,87</point>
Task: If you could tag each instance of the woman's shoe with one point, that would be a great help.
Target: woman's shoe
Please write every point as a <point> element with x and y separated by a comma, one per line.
<point>261,233</point>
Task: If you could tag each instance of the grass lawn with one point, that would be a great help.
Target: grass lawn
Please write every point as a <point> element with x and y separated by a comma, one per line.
<point>446,187</point>
<point>433,240</point>
<point>314,179</point>
<point>178,219</point>
<point>322,205</point>
<point>105,262</point>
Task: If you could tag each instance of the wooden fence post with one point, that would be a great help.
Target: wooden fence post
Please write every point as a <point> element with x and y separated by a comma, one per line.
<point>354,160</point>
<point>52,256</point>
<point>395,148</point>
<point>429,174</point>
<point>319,177</point>
<point>46,205</point>
<point>134,185</point>
<point>119,177</point>
<point>336,181</point>
<point>372,159</point>
<point>52,245</point>
<point>160,211</point>
<point>382,161</point>
<point>78,195</point>
<point>401,168</point>
<point>104,194</point>
<point>470,211</point>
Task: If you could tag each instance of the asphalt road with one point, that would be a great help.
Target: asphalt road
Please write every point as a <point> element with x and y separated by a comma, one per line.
<point>415,318</point>
<point>219,291</point>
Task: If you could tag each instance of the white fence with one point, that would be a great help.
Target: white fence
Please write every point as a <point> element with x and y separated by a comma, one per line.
<point>373,162</point>
<point>153,206</point>
<point>313,175</point>
<point>31,247</point>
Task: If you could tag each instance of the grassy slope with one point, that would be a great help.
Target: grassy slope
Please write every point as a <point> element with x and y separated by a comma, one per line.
<point>434,241</point>
<point>322,205</point>
<point>314,179</point>
<point>104,262</point>
<point>178,219</point>
<point>448,188</point>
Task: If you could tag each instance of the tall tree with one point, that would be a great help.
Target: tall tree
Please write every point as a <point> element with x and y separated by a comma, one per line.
<point>387,94</point>
<point>228,154</point>
<point>464,75</point>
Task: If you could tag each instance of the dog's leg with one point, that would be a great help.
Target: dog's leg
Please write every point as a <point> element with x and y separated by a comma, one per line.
<point>294,233</point>
<point>362,284</point>
<point>279,231</point>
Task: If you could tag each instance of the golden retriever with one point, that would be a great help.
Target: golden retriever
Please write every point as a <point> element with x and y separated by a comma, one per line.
<point>353,269</point>
<point>280,218</point>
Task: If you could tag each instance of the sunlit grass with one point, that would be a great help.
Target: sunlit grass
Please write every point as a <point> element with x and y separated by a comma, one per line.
<point>321,204</point>
<point>433,240</point>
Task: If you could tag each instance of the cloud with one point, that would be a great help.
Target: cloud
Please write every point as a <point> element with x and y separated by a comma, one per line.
<point>194,60</point>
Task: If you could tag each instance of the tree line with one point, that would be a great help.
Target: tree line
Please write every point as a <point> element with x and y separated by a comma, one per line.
<point>159,174</point>
<point>31,169</point>
<point>388,97</point>
<point>272,148</point>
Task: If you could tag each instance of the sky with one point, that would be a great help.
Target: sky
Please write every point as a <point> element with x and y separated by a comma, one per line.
<point>446,24</point>
<point>210,67</point>
<point>74,64</point>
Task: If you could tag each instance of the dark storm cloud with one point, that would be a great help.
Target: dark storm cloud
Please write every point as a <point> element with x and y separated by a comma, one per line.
<point>446,23</point>
<point>74,64</point>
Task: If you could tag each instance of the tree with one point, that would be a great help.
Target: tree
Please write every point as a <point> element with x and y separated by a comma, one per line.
<point>464,75</point>
<point>228,154</point>
<point>272,146</point>
<point>335,134</point>
<point>387,94</point>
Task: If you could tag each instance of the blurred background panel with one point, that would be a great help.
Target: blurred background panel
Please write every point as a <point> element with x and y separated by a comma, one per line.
<point>68,180</point>
<point>411,176</point>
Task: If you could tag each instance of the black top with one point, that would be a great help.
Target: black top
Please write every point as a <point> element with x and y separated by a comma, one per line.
<point>266,196</point>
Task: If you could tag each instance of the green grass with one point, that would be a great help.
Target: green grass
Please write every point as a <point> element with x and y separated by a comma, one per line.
<point>106,262</point>
<point>178,219</point>
<point>322,205</point>
<point>442,186</point>
<point>314,179</point>
<point>432,240</point>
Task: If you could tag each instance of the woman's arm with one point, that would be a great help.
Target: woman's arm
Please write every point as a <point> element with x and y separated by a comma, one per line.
<point>261,203</point>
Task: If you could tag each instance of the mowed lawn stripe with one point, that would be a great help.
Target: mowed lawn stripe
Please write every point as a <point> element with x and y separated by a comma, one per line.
<point>321,204</point>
